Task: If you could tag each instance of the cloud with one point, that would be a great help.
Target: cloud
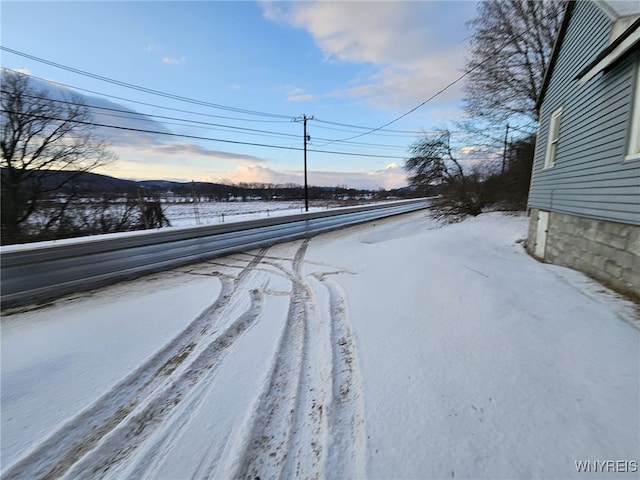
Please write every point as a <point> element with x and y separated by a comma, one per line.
<point>116,118</point>
<point>166,59</point>
<point>391,176</point>
<point>295,94</point>
<point>131,134</point>
<point>173,61</point>
<point>256,174</point>
<point>473,150</point>
<point>191,149</point>
<point>411,44</point>
<point>355,32</point>
<point>134,130</point>
<point>401,86</point>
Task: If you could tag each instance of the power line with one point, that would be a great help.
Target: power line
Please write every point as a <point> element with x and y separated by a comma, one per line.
<point>407,132</point>
<point>410,111</point>
<point>142,89</point>
<point>365,144</point>
<point>131,115</point>
<point>199,124</point>
<point>366,128</point>
<point>196,137</point>
<point>199,102</point>
<point>234,109</point>
<point>140,116</point>
<point>389,135</point>
<point>146,103</point>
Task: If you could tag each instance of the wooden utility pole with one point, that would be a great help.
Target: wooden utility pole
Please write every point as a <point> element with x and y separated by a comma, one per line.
<point>304,119</point>
<point>195,202</point>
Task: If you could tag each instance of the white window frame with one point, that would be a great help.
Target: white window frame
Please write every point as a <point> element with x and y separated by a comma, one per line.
<point>553,138</point>
<point>633,147</point>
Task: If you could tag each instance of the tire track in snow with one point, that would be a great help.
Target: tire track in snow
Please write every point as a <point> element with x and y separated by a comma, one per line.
<point>306,453</point>
<point>146,465</point>
<point>267,446</point>
<point>63,448</point>
<point>309,420</point>
<point>347,436</point>
<point>145,420</point>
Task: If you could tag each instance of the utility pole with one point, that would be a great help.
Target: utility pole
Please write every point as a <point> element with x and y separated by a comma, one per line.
<point>304,119</point>
<point>195,202</point>
<point>504,153</point>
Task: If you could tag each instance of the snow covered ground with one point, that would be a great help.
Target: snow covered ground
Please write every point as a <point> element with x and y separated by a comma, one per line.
<point>208,213</point>
<point>395,349</point>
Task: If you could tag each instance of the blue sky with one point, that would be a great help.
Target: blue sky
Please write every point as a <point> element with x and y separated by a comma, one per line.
<point>354,63</point>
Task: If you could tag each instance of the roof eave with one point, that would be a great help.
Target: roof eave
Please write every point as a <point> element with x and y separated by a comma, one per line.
<point>554,53</point>
<point>624,44</point>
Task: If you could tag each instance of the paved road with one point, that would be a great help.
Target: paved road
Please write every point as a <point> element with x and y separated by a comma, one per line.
<point>47,271</point>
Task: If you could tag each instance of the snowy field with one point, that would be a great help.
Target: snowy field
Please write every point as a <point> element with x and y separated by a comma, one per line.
<point>395,349</point>
<point>208,213</point>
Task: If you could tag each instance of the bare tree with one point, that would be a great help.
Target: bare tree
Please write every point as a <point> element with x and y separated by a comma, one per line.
<point>46,143</point>
<point>433,165</point>
<point>510,50</point>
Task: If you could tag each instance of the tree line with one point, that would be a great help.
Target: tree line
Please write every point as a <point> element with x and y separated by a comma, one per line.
<point>243,191</point>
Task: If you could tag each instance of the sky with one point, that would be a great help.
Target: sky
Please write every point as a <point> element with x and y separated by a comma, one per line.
<point>225,84</point>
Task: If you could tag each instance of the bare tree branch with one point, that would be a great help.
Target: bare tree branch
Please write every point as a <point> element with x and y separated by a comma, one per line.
<point>510,50</point>
<point>45,145</point>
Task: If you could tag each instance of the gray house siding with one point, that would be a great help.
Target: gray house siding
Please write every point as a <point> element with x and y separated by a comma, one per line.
<point>585,208</point>
<point>590,177</point>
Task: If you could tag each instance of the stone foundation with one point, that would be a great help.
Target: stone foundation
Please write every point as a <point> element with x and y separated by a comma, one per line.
<point>606,251</point>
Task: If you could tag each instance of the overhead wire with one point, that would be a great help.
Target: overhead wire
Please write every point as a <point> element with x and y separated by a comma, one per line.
<point>199,102</point>
<point>194,137</point>
<point>197,137</point>
<point>138,102</point>
<point>346,141</point>
<point>207,125</point>
<point>142,89</point>
<point>149,117</point>
<point>408,112</point>
<point>140,116</point>
<point>365,128</point>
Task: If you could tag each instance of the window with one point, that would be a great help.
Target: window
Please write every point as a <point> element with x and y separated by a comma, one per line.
<point>554,136</point>
<point>633,150</point>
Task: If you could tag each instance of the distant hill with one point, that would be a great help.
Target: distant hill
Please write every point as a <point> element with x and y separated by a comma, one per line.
<point>82,182</point>
<point>94,184</point>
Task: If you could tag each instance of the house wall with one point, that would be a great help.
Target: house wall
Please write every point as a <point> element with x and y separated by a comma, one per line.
<point>591,177</point>
<point>607,251</point>
<point>591,193</point>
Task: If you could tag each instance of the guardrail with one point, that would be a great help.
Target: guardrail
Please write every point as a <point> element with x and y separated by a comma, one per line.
<point>40,272</point>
